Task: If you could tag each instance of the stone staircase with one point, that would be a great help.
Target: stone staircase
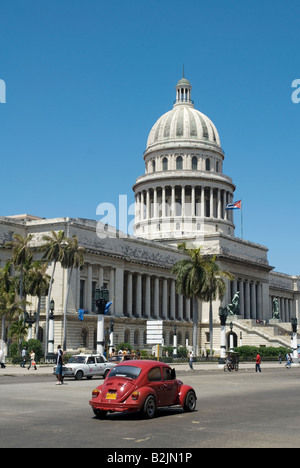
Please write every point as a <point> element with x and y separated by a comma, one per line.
<point>256,334</point>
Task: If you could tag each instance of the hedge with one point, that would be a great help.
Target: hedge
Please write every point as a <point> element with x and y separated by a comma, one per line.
<point>248,353</point>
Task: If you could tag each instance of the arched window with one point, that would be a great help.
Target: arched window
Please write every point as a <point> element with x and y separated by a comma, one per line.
<point>153,166</point>
<point>179,163</point>
<point>194,163</point>
<point>165,164</point>
<point>127,336</point>
<point>207,164</point>
<point>217,166</point>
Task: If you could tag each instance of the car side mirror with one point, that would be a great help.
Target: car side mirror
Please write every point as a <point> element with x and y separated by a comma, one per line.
<point>173,374</point>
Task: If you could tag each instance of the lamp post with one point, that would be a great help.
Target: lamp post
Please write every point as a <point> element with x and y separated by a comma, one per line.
<point>175,342</point>
<point>294,323</point>
<point>101,299</point>
<point>51,355</point>
<point>223,313</point>
<point>111,334</point>
<point>30,320</point>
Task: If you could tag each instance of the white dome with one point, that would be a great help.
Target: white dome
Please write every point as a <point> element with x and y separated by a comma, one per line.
<point>183,122</point>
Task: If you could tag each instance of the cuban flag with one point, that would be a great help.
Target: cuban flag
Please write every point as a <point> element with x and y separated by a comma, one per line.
<point>234,206</point>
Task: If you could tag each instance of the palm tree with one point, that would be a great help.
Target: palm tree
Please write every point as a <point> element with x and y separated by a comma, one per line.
<point>214,288</point>
<point>54,251</point>
<point>9,307</point>
<point>190,279</point>
<point>73,259</point>
<point>21,254</point>
<point>37,284</point>
<point>19,330</point>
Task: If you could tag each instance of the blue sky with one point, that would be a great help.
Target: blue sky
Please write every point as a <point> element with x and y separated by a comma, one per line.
<point>87,79</point>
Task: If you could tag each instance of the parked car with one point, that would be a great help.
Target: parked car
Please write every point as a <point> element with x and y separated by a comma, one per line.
<point>87,365</point>
<point>141,386</point>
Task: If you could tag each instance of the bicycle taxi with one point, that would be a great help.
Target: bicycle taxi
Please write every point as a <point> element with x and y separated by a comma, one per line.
<point>232,361</point>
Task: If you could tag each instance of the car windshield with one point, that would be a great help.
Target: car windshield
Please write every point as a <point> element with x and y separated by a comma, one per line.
<point>77,360</point>
<point>129,372</point>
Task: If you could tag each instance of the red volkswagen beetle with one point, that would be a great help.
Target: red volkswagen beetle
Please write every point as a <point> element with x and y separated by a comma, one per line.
<point>141,386</point>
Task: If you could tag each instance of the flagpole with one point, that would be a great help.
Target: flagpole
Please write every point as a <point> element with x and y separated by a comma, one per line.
<point>242,230</point>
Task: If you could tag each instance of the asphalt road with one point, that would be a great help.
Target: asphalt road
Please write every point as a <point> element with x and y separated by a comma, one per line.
<point>234,410</point>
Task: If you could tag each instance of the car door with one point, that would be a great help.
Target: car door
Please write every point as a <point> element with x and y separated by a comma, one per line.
<point>100,365</point>
<point>91,366</point>
<point>170,387</point>
<point>156,383</point>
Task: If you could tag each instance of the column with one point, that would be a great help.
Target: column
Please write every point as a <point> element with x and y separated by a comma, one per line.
<point>119,291</point>
<point>211,202</point>
<point>253,301</point>
<point>163,201</point>
<point>193,213</point>
<point>156,297</point>
<point>173,300</point>
<point>165,298</point>
<point>112,289</point>
<point>138,295</point>
<point>89,288</point>
<point>188,309</point>
<point>148,297</point>
<point>183,201</point>
<point>241,290</point>
<point>247,300</point>
<point>180,307</point>
<point>129,294</point>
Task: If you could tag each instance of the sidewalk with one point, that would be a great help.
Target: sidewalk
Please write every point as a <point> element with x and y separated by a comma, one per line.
<point>47,370</point>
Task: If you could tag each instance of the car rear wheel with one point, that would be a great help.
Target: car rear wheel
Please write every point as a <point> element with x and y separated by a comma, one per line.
<point>190,402</point>
<point>149,408</point>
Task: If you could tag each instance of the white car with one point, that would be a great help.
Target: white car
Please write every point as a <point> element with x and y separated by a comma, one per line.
<point>87,365</point>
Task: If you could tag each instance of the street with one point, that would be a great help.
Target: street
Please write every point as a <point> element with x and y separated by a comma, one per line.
<point>238,410</point>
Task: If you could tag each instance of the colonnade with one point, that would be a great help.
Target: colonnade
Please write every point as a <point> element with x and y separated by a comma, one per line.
<point>183,200</point>
<point>134,294</point>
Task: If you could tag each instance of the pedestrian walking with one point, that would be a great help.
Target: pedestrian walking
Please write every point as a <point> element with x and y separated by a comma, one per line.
<point>32,362</point>
<point>3,366</point>
<point>191,360</point>
<point>280,358</point>
<point>288,361</point>
<point>24,353</point>
<point>257,363</point>
<point>59,366</point>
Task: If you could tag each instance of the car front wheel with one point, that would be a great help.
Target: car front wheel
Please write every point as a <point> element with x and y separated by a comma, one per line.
<point>190,402</point>
<point>149,408</point>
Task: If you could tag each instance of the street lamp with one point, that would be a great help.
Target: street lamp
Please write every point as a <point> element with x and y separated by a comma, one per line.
<point>175,342</point>
<point>294,323</point>
<point>30,320</point>
<point>223,313</point>
<point>51,355</point>
<point>101,299</point>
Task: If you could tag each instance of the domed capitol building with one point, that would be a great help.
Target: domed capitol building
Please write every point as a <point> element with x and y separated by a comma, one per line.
<point>182,197</point>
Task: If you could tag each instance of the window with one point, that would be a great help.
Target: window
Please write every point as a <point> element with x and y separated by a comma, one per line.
<point>207,164</point>
<point>154,375</point>
<point>153,166</point>
<point>179,163</point>
<point>165,164</point>
<point>167,374</point>
<point>82,294</point>
<point>194,163</point>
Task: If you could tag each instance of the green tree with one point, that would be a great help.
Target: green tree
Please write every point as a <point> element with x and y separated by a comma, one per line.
<point>190,279</point>
<point>21,254</point>
<point>214,288</point>
<point>54,249</point>
<point>37,284</point>
<point>73,259</point>
<point>9,307</point>
<point>18,330</point>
